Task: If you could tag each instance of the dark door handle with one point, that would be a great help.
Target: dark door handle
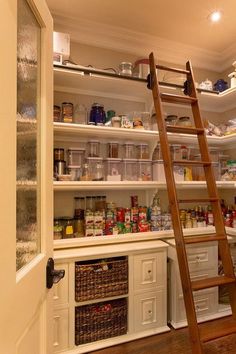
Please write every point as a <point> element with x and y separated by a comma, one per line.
<point>53,276</point>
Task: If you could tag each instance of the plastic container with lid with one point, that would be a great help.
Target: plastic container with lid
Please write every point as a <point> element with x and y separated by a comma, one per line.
<point>214,154</point>
<point>130,171</point>
<point>143,151</point>
<point>113,149</point>
<point>75,157</point>
<point>144,170</point>
<point>158,171</point>
<point>198,171</point>
<point>125,68</point>
<point>157,155</point>
<point>113,169</point>
<point>96,168</point>
<point>129,150</point>
<point>93,148</point>
<point>75,173</point>
<point>175,150</point>
<point>171,119</point>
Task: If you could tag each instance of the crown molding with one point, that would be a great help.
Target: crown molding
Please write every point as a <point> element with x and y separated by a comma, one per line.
<point>140,44</point>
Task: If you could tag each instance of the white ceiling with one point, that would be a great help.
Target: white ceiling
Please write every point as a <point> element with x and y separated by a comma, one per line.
<point>184,22</point>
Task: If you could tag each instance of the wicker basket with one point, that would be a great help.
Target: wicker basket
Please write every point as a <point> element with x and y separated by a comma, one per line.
<point>101,278</point>
<point>99,321</point>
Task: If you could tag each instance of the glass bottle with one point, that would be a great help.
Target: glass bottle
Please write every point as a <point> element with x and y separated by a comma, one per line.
<point>155,213</point>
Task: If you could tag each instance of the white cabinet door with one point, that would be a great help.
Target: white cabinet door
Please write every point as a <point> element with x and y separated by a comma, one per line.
<point>26,176</point>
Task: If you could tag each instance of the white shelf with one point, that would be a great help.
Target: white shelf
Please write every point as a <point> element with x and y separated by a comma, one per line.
<point>67,80</point>
<point>224,101</point>
<point>70,132</point>
<point>133,185</point>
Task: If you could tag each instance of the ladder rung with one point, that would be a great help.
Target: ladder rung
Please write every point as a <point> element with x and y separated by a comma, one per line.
<point>184,130</point>
<point>211,282</point>
<point>166,97</point>
<point>211,330</point>
<point>198,200</point>
<point>204,238</point>
<point>166,68</point>
<point>191,162</point>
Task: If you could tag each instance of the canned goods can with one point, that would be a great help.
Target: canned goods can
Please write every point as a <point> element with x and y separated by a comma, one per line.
<point>134,214</point>
<point>120,226</point>
<point>127,215</point>
<point>142,213</point>
<point>127,228</point>
<point>67,112</point>
<point>134,227</point>
<point>120,214</point>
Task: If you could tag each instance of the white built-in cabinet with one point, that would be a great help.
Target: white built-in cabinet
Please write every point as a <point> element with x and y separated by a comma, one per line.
<point>146,254</point>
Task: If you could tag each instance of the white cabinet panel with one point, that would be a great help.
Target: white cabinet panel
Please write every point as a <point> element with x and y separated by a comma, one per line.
<point>61,330</point>
<point>61,290</point>
<point>149,271</point>
<point>149,311</point>
<point>204,257</point>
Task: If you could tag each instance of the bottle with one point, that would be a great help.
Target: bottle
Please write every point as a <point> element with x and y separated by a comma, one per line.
<point>155,214</point>
<point>210,217</point>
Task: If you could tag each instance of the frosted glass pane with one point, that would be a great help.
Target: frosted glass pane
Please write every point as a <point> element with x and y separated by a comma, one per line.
<point>28,149</point>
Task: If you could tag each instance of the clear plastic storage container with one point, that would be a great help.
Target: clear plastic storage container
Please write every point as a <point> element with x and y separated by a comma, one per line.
<point>129,150</point>
<point>145,170</point>
<point>96,168</point>
<point>143,151</point>
<point>75,157</point>
<point>93,148</point>
<point>130,171</point>
<point>113,149</point>
<point>158,172</point>
<point>112,169</point>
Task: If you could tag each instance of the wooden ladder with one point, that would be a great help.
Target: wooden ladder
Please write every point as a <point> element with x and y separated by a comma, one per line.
<point>199,333</point>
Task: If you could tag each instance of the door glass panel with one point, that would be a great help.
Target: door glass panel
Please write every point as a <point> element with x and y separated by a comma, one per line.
<point>28,136</point>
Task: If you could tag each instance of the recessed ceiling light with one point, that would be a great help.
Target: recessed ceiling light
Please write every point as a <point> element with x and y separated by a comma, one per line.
<point>215,16</point>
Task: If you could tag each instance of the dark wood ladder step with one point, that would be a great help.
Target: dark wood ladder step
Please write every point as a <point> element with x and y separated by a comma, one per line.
<point>198,200</point>
<point>176,70</point>
<point>203,238</point>
<point>210,331</point>
<point>166,97</point>
<point>211,282</point>
<point>184,130</point>
<point>191,163</point>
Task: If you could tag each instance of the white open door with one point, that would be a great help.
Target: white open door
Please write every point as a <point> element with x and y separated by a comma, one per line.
<point>26,176</point>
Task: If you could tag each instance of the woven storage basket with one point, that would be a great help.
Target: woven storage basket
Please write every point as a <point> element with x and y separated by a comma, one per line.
<point>99,321</point>
<point>101,278</point>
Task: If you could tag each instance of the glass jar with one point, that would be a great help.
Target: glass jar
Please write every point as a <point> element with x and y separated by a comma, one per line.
<point>59,154</point>
<point>143,151</point>
<point>68,229</point>
<point>56,113</point>
<point>113,149</point>
<point>67,112</point>
<point>145,170</point>
<point>125,68</point>
<point>80,114</point>
<point>57,229</point>
<point>171,119</point>
<point>97,115</point>
<point>116,122</point>
<point>130,171</point>
<point>93,148</point>
<point>184,121</point>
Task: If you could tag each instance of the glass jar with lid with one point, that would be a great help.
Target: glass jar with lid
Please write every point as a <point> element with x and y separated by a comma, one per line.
<point>97,114</point>
<point>184,121</point>
<point>171,119</point>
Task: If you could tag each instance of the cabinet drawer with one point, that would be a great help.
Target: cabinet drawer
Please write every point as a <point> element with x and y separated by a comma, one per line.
<point>61,290</point>
<point>150,311</point>
<point>149,270</point>
<point>201,258</point>
<point>60,330</point>
<point>206,303</point>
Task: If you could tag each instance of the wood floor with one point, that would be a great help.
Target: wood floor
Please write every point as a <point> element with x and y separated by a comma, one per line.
<point>173,342</point>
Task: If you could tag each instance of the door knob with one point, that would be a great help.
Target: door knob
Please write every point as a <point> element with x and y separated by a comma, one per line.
<point>53,276</point>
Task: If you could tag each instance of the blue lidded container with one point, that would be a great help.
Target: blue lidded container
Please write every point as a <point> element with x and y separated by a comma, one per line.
<point>97,114</point>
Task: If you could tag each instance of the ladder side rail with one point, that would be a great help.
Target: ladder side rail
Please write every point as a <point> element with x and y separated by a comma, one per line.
<point>174,208</point>
<point>223,246</point>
